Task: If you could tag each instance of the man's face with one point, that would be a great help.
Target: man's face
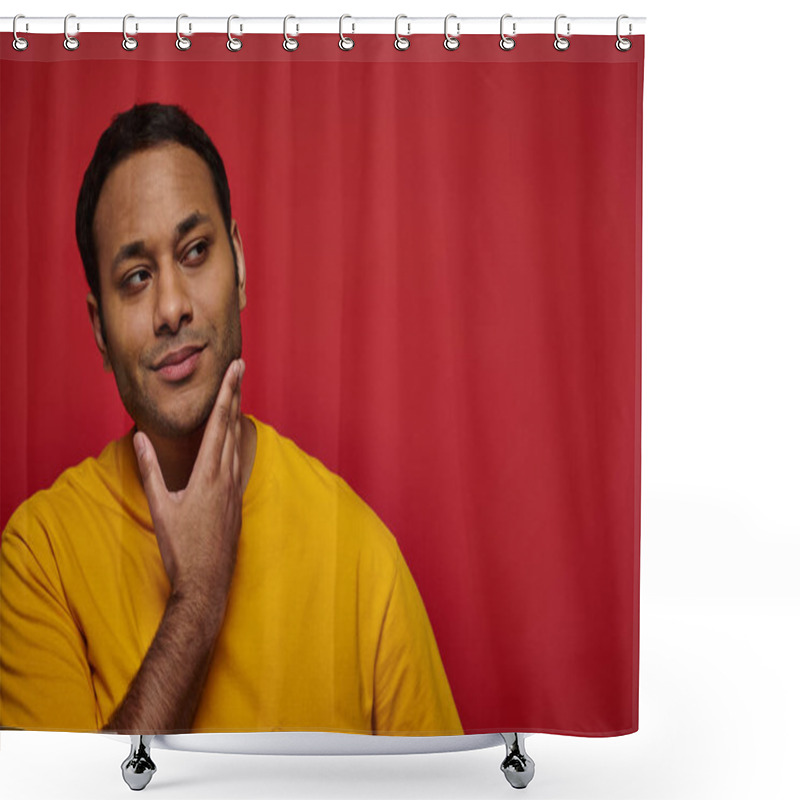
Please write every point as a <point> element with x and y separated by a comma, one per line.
<point>169,288</point>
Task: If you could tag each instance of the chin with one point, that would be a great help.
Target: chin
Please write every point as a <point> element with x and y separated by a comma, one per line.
<point>178,429</point>
<point>176,423</point>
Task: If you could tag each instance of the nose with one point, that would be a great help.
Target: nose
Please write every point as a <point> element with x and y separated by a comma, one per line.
<point>173,307</point>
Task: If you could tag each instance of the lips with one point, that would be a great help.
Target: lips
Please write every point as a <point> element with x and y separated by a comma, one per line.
<point>179,364</point>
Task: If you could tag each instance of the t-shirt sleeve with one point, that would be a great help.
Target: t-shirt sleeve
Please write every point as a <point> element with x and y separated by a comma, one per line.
<point>45,679</point>
<point>412,694</point>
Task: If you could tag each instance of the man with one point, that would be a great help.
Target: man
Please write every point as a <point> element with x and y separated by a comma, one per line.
<point>203,573</point>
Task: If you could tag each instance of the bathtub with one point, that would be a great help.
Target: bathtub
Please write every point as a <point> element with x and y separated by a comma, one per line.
<point>138,768</point>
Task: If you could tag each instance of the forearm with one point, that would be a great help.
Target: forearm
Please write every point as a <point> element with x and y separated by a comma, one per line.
<point>164,695</point>
<point>197,529</point>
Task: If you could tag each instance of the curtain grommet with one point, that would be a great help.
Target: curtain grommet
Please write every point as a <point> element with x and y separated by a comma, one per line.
<point>233,44</point>
<point>182,43</point>
<point>560,42</point>
<point>622,44</point>
<point>451,42</point>
<point>18,43</point>
<point>290,43</point>
<point>345,42</point>
<point>401,42</point>
<point>70,42</point>
<point>507,42</point>
<point>129,42</point>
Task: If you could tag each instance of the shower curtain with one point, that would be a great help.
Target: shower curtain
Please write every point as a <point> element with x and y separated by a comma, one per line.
<point>443,279</point>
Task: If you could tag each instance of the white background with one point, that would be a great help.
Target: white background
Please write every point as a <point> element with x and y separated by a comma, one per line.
<point>720,449</point>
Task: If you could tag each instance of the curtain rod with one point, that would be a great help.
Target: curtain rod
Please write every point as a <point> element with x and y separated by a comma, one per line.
<point>408,26</point>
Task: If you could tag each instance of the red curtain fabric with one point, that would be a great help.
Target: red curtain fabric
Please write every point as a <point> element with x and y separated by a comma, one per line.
<point>444,306</point>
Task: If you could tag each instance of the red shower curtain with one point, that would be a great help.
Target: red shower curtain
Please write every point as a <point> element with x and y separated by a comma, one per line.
<point>444,306</point>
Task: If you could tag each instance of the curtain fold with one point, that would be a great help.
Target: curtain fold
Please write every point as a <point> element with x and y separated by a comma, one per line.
<point>443,255</point>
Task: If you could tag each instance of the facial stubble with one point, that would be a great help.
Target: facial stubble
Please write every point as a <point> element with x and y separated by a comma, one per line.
<point>146,412</point>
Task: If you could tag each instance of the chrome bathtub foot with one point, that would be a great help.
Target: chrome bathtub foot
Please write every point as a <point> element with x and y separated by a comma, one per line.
<point>517,766</point>
<point>138,768</point>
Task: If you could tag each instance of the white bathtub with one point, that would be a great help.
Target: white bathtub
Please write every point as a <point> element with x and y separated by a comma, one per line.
<point>138,768</point>
<point>321,744</point>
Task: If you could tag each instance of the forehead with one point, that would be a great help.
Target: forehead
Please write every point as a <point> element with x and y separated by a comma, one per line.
<point>147,193</point>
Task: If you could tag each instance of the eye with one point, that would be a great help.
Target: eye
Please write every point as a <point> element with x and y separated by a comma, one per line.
<point>199,249</point>
<point>135,278</point>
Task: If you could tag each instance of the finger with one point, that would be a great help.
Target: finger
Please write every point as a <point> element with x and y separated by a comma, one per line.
<point>208,457</point>
<point>237,451</point>
<point>229,446</point>
<point>153,481</point>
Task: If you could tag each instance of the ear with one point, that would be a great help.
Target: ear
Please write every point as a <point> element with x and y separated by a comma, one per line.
<point>94,316</point>
<point>236,238</point>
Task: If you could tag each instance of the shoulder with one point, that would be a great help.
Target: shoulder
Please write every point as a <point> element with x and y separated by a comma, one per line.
<point>316,493</point>
<point>284,460</point>
<point>80,486</point>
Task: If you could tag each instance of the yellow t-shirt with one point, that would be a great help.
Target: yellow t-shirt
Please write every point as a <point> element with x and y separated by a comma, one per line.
<point>324,630</point>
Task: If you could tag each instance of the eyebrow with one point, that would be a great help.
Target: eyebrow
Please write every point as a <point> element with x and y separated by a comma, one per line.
<point>138,249</point>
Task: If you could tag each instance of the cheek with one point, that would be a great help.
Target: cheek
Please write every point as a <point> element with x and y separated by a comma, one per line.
<point>126,342</point>
<point>222,318</point>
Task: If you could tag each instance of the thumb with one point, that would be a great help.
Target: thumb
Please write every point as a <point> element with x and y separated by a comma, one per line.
<point>153,481</point>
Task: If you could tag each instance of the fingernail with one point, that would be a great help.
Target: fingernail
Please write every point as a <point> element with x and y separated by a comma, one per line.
<point>241,367</point>
<point>138,445</point>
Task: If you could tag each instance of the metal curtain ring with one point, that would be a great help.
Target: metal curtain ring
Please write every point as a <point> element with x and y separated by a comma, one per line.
<point>623,45</point>
<point>289,42</point>
<point>506,42</point>
<point>400,42</point>
<point>182,43</point>
<point>128,42</point>
<point>345,42</point>
<point>561,43</point>
<point>233,44</point>
<point>451,42</point>
<point>70,42</point>
<point>19,43</point>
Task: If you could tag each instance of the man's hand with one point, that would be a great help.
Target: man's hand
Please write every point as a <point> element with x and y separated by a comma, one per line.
<point>198,534</point>
<point>198,527</point>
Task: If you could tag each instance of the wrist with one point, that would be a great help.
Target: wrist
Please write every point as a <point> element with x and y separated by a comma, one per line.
<point>199,609</point>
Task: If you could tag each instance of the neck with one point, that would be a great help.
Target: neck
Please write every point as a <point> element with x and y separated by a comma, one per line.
<point>177,456</point>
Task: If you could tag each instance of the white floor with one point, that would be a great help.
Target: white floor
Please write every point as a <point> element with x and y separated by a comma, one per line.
<point>720,701</point>
<point>719,695</point>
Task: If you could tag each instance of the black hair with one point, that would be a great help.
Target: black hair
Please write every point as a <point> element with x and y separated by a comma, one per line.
<point>139,128</point>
